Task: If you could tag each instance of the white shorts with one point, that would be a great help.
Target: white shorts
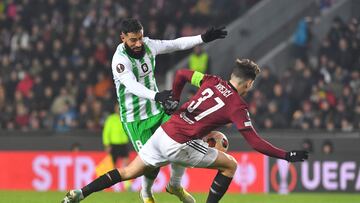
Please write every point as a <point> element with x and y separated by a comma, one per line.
<point>161,150</point>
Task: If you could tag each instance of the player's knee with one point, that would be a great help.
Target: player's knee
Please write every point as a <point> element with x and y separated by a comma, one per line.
<point>231,166</point>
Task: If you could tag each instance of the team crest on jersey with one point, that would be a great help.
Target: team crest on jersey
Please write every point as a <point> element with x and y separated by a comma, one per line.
<point>120,68</point>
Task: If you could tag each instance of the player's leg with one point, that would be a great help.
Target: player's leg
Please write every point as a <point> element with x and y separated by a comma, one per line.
<point>174,186</point>
<point>148,129</point>
<point>135,169</point>
<point>176,172</point>
<point>149,158</point>
<point>226,165</point>
<point>139,133</point>
<point>197,154</point>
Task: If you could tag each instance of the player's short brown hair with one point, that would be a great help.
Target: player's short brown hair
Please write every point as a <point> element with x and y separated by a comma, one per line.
<point>246,69</point>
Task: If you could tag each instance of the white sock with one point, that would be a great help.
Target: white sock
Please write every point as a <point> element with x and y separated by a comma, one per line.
<point>177,172</point>
<point>146,185</point>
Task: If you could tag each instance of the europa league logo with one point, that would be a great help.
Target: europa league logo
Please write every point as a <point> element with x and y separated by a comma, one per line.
<point>285,170</point>
<point>245,174</point>
<point>283,173</point>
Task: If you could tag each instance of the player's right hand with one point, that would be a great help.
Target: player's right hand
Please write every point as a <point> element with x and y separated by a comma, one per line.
<point>296,156</point>
<point>170,106</point>
<point>162,96</point>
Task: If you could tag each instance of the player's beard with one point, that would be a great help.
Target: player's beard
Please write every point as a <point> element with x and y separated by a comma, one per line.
<point>133,54</point>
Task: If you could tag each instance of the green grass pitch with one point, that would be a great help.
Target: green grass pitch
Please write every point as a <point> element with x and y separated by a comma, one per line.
<point>132,197</point>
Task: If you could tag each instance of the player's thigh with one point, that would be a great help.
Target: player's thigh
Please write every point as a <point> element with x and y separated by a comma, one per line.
<point>223,162</point>
<point>194,153</point>
<point>152,152</point>
<point>138,132</point>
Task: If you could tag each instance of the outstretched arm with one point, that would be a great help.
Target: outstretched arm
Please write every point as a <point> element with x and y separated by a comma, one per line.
<point>183,43</point>
<point>168,46</point>
<point>268,149</point>
<point>262,145</point>
<point>241,119</point>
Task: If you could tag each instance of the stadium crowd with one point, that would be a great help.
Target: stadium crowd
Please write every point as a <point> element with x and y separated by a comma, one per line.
<point>55,65</point>
<point>321,96</point>
<point>55,55</point>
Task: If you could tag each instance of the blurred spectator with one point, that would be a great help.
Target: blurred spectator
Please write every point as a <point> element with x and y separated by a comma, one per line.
<point>327,147</point>
<point>75,147</point>
<point>303,117</point>
<point>298,89</point>
<point>281,99</point>
<point>326,50</point>
<point>62,101</point>
<point>22,117</point>
<point>357,112</point>
<point>102,86</point>
<point>115,139</point>
<point>84,116</point>
<point>336,32</point>
<point>317,123</point>
<point>56,54</point>
<point>302,38</point>
<point>272,118</point>
<point>199,60</point>
<point>25,84</point>
<point>266,81</point>
<point>2,96</point>
<point>344,56</point>
<point>308,145</point>
<point>66,45</point>
<point>322,97</point>
<point>66,118</point>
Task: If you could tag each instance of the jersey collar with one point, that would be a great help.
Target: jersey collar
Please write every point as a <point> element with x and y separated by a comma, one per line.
<point>232,86</point>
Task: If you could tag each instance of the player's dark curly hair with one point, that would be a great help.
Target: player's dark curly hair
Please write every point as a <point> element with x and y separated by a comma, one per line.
<point>131,25</point>
<point>246,69</point>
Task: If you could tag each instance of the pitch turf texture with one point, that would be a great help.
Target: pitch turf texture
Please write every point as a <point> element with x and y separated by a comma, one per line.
<point>131,197</point>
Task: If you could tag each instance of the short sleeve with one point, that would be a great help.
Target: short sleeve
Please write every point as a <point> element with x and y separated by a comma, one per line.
<point>241,118</point>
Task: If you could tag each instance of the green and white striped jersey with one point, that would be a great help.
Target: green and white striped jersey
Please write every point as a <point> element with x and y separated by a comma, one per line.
<point>134,78</point>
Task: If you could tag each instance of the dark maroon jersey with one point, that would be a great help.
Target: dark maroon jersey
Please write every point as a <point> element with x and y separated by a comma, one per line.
<point>215,104</point>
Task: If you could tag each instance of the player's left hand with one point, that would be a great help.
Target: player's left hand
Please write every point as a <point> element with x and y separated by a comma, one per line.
<point>162,96</point>
<point>296,156</point>
<point>170,106</point>
<point>213,33</point>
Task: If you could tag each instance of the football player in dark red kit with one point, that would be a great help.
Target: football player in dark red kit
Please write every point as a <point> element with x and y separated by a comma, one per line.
<point>216,103</point>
